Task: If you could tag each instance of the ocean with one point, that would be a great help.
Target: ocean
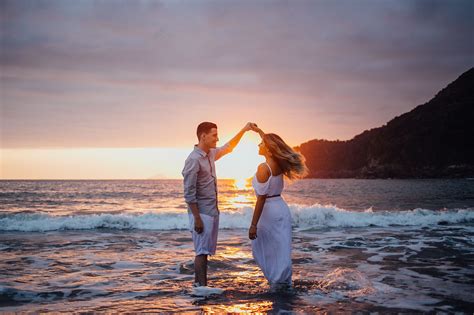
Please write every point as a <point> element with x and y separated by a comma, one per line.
<point>124,246</point>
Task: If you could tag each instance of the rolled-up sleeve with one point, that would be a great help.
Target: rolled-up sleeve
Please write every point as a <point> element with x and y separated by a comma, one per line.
<point>190,173</point>
<point>221,151</point>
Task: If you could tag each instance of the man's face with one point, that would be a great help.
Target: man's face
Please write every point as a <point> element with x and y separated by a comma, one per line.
<point>210,139</point>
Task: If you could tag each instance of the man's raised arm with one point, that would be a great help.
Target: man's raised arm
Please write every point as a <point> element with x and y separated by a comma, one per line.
<point>229,146</point>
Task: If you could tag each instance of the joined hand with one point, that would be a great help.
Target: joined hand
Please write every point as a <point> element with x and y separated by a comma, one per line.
<point>250,126</point>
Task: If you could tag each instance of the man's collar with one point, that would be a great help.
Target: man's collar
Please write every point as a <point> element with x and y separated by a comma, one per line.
<point>200,151</point>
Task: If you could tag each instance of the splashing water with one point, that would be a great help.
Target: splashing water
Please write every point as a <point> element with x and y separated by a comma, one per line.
<point>348,282</point>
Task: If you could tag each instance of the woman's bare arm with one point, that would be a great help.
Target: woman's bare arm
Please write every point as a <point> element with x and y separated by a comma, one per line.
<point>256,216</point>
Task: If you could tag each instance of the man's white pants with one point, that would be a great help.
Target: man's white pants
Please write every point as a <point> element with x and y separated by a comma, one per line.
<point>206,242</point>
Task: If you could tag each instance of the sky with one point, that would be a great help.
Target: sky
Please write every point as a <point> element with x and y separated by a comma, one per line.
<point>115,89</point>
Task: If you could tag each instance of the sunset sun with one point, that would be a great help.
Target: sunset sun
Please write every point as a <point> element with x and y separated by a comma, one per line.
<point>242,163</point>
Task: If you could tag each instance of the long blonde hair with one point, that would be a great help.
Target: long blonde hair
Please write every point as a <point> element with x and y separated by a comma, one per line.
<point>291,162</point>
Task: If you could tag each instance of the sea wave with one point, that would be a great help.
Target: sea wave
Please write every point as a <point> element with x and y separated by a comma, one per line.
<point>304,217</point>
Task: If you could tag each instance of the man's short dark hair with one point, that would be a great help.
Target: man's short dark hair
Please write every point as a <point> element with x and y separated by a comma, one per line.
<point>205,127</point>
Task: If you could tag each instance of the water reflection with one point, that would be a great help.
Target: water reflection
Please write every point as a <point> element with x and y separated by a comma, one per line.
<point>235,194</point>
<point>240,200</point>
<point>246,302</point>
<point>246,290</point>
<point>229,252</point>
<point>254,308</point>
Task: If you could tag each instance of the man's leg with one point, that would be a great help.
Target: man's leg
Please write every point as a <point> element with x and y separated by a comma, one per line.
<point>200,261</point>
<point>200,270</point>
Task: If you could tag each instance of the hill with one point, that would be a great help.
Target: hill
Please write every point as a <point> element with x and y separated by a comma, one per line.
<point>433,140</point>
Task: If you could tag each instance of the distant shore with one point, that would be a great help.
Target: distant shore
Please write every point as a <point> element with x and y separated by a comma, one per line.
<point>396,172</point>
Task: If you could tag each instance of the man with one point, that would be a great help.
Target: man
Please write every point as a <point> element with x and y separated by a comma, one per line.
<point>200,193</point>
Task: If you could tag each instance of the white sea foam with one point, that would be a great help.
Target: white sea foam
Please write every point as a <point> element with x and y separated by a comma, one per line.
<point>331,216</point>
<point>206,291</point>
<point>304,217</point>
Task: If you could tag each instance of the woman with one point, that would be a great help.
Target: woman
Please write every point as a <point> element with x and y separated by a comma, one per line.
<point>270,230</point>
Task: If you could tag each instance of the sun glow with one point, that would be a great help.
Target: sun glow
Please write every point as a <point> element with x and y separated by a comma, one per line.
<point>243,183</point>
<point>124,163</point>
<point>92,163</point>
<point>242,163</point>
<point>240,183</point>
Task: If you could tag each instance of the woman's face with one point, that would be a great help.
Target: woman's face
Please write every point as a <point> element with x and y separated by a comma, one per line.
<point>262,149</point>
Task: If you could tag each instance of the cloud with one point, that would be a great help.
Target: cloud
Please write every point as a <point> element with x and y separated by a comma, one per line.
<point>91,73</point>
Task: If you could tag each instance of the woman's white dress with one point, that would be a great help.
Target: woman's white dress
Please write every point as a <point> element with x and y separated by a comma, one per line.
<point>272,247</point>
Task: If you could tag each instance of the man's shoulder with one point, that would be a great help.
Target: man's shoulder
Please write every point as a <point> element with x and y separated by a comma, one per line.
<point>193,156</point>
<point>191,163</point>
